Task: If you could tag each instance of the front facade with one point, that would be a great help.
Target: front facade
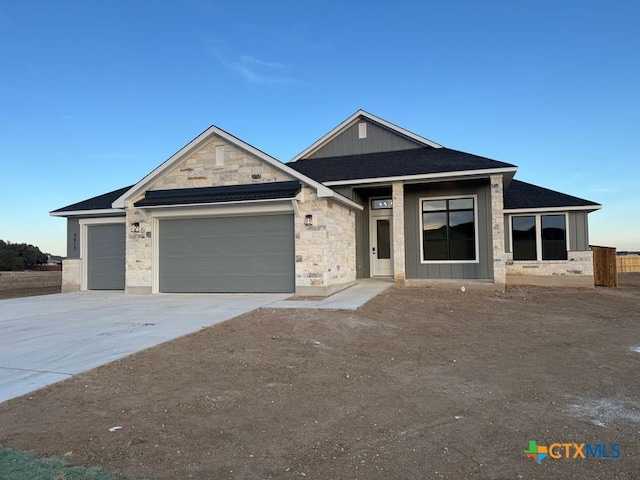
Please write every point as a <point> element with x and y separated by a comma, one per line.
<point>369,199</point>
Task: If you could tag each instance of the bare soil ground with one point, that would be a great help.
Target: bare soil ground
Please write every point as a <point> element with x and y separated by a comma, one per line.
<point>27,284</point>
<point>418,383</point>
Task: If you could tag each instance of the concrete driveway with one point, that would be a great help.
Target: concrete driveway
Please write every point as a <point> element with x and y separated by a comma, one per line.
<point>47,339</point>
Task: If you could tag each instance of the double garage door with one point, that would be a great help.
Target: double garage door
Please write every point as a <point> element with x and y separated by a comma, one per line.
<point>227,254</point>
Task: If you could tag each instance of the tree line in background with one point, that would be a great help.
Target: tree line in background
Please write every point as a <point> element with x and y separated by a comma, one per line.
<point>15,257</point>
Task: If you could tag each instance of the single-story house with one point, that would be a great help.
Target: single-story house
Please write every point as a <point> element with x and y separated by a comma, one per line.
<point>368,199</point>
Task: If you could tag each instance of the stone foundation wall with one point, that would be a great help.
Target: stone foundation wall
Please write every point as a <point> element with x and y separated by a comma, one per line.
<point>71,275</point>
<point>578,266</point>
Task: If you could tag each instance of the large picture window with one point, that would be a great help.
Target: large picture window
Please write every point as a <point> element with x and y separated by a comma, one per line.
<point>539,237</point>
<point>448,229</point>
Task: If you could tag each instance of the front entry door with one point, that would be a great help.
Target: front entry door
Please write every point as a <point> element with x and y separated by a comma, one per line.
<point>381,244</point>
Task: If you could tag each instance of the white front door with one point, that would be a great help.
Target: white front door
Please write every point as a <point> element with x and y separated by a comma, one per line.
<point>381,237</point>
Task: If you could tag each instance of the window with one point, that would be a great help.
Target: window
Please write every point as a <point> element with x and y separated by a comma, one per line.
<point>554,237</point>
<point>524,238</point>
<point>536,237</point>
<point>448,229</point>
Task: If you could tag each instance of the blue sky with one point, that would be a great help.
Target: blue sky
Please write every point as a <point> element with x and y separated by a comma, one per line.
<point>97,94</point>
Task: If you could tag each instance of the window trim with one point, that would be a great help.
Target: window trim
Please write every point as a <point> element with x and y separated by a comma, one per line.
<point>538,218</point>
<point>475,227</point>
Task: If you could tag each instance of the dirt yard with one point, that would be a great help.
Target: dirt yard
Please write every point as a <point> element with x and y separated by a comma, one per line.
<point>27,284</point>
<point>420,383</point>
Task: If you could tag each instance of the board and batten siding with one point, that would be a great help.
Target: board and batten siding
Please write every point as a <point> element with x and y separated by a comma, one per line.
<point>578,231</point>
<point>412,209</point>
<point>73,238</point>
<point>378,139</point>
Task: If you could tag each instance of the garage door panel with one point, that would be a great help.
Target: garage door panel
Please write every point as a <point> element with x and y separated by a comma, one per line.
<point>106,256</point>
<point>227,254</point>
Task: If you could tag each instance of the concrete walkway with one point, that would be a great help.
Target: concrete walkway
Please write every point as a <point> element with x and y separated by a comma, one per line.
<point>350,298</point>
<point>49,338</point>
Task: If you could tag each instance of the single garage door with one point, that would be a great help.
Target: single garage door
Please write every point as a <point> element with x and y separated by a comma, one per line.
<point>105,256</point>
<point>227,254</point>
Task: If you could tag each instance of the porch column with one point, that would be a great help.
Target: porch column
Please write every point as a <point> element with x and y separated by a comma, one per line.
<point>497,230</point>
<point>397,196</point>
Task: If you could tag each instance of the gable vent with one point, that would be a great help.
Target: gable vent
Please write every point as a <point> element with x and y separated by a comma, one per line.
<point>362,130</point>
<point>220,156</point>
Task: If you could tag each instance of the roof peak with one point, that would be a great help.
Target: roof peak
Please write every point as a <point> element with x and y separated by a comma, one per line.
<point>344,125</point>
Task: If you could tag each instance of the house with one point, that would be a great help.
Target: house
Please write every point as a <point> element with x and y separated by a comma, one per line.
<point>368,199</point>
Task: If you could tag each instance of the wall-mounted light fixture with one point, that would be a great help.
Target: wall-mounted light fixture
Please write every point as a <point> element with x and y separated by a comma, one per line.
<point>135,227</point>
<point>308,220</point>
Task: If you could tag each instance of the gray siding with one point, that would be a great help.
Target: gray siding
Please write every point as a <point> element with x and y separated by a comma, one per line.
<point>507,233</point>
<point>414,269</point>
<point>578,231</point>
<point>379,139</point>
<point>227,254</point>
<point>344,191</point>
<point>73,238</point>
<point>106,256</point>
<point>363,268</point>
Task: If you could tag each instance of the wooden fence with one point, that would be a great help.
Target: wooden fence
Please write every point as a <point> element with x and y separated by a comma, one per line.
<point>628,263</point>
<point>605,271</point>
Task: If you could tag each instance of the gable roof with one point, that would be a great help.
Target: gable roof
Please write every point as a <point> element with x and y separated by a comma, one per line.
<point>321,190</point>
<point>95,205</point>
<point>354,118</point>
<point>385,166</point>
<point>224,194</point>
<point>527,196</point>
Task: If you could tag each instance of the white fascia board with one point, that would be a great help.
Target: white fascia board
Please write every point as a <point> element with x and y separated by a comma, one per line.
<point>350,121</point>
<point>427,176</point>
<point>590,208</point>
<point>82,213</point>
<point>321,190</point>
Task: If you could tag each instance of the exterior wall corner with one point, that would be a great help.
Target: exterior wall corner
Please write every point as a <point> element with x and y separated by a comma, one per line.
<point>71,275</point>
<point>497,230</point>
<point>399,261</point>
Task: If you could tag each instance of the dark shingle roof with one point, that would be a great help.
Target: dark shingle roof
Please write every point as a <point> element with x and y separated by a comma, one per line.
<point>101,202</point>
<point>526,195</point>
<point>417,161</point>
<point>233,193</point>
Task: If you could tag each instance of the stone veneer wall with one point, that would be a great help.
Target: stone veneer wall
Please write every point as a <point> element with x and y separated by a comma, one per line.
<point>71,275</point>
<point>326,250</point>
<point>577,269</point>
<point>139,253</point>
<point>399,261</point>
<point>497,229</point>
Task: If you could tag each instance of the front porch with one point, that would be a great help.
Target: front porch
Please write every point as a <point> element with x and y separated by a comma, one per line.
<point>394,238</point>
